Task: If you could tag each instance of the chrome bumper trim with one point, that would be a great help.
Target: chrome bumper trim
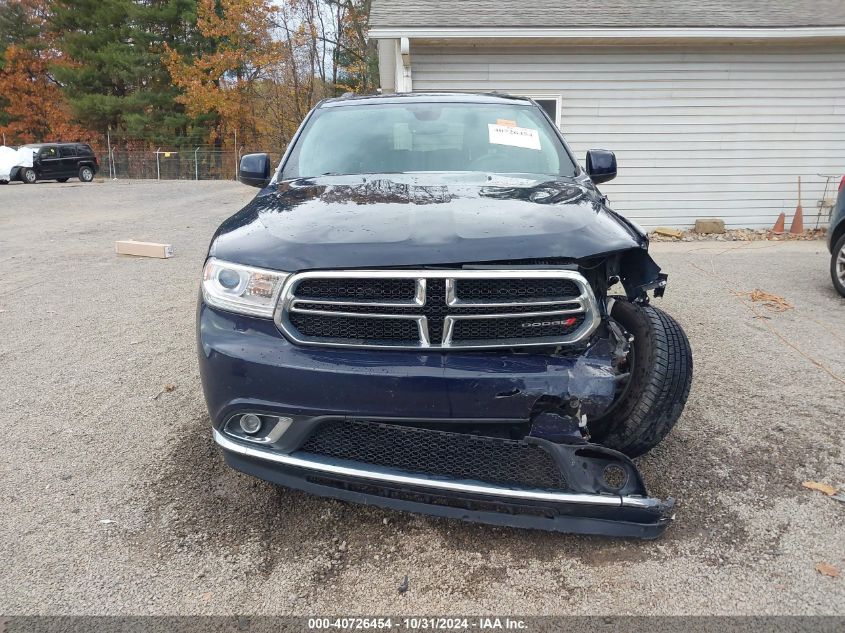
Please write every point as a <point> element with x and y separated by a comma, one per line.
<point>427,482</point>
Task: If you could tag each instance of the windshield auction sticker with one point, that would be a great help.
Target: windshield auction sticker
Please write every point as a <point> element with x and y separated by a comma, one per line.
<point>514,136</point>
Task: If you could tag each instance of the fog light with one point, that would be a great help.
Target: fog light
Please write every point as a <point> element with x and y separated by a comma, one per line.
<point>250,424</point>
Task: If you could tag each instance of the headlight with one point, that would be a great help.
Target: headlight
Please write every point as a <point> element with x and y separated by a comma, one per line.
<point>242,289</point>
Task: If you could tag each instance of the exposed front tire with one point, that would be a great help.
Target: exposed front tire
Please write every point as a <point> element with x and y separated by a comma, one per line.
<point>651,400</point>
<point>86,174</point>
<point>29,176</point>
<point>837,265</point>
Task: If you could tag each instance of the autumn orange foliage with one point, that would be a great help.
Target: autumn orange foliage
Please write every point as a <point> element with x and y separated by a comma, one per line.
<point>35,104</point>
<point>247,69</point>
<point>225,81</point>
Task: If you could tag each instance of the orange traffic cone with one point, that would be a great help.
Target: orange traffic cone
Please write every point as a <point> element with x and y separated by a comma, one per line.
<point>797,227</point>
<point>780,223</point>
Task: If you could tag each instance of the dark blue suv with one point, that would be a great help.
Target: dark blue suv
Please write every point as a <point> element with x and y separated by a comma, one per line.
<point>414,312</point>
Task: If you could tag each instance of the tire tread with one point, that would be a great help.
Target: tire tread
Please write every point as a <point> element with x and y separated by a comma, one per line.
<point>663,394</point>
<point>837,248</point>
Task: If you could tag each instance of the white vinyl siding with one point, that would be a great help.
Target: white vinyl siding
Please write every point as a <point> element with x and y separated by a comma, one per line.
<point>707,132</point>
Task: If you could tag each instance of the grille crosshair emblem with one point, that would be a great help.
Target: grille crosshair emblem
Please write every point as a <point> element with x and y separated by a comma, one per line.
<point>435,315</point>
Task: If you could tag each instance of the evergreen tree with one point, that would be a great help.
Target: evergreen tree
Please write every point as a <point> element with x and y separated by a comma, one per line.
<point>116,77</point>
<point>17,26</point>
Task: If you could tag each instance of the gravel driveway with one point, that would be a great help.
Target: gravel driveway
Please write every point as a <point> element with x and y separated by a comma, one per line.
<point>116,501</point>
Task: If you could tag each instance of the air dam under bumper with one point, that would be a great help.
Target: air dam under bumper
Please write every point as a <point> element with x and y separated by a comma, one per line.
<point>632,515</point>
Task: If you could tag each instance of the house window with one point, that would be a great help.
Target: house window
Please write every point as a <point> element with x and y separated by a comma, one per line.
<point>549,103</point>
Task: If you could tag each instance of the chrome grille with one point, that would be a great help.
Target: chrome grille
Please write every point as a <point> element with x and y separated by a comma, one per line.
<point>437,309</point>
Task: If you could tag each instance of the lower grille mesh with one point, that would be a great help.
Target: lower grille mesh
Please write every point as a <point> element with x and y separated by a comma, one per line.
<point>438,453</point>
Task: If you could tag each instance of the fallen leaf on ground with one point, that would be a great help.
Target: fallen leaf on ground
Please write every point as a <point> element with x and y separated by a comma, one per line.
<point>167,389</point>
<point>825,488</point>
<point>769,300</point>
<point>826,569</point>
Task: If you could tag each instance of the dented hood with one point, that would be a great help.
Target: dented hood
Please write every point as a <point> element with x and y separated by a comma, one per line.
<point>420,219</point>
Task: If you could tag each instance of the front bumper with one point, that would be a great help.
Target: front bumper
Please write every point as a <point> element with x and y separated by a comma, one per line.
<point>576,513</point>
<point>248,366</point>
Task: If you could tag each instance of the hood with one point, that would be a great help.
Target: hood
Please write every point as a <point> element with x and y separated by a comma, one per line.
<point>420,219</point>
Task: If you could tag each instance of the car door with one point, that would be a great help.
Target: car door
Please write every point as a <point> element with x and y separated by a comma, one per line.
<point>69,159</point>
<point>49,163</point>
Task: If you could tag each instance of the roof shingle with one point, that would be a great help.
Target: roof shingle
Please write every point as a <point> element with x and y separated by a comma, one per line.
<point>608,13</point>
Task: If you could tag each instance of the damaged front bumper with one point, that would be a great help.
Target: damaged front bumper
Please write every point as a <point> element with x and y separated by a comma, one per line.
<point>429,402</point>
<point>630,514</point>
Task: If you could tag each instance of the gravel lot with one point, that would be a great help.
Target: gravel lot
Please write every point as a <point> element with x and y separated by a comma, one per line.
<point>116,501</point>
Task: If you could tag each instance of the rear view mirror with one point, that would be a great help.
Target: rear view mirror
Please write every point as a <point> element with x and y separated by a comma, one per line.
<point>254,170</point>
<point>601,165</point>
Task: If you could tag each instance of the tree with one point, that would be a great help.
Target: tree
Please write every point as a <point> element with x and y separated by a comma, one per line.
<point>32,106</point>
<point>163,71</point>
<point>35,108</point>
<point>355,58</point>
<point>227,79</point>
<point>16,28</point>
<point>19,23</point>
<point>114,76</point>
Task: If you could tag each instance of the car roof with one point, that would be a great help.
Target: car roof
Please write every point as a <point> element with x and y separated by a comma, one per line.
<point>427,97</point>
<point>58,143</point>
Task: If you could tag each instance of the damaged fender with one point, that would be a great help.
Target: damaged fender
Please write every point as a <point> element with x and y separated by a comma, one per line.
<point>640,274</point>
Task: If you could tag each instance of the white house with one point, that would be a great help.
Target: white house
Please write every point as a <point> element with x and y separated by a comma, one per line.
<point>713,107</point>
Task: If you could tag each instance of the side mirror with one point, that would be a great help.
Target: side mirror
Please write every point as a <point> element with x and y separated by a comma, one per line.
<point>254,170</point>
<point>601,165</point>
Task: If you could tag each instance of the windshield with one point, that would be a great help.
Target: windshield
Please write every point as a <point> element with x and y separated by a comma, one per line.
<point>420,137</point>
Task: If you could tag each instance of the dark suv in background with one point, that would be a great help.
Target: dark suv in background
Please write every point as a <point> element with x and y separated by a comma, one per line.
<point>58,161</point>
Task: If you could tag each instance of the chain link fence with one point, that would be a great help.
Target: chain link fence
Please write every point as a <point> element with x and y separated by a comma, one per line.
<point>196,163</point>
